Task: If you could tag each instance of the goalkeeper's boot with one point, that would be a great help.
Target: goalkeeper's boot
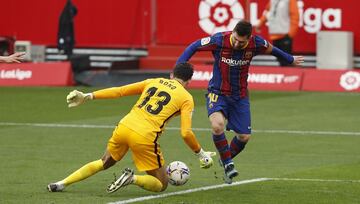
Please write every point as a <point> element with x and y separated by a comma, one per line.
<point>55,187</point>
<point>125,179</point>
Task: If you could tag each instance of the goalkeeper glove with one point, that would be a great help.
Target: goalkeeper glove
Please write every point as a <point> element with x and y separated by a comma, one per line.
<point>205,158</point>
<point>76,98</point>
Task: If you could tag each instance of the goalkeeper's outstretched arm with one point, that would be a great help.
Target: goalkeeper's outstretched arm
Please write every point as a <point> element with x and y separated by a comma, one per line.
<point>76,98</point>
<point>189,137</point>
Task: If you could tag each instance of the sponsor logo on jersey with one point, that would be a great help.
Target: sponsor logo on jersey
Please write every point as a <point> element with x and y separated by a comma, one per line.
<point>248,55</point>
<point>205,41</point>
<point>266,44</point>
<point>232,62</point>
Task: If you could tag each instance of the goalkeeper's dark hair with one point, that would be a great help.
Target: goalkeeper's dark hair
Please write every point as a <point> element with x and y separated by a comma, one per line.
<point>243,28</point>
<point>183,71</point>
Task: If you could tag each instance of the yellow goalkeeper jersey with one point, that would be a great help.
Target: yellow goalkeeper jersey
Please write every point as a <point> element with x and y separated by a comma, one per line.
<point>160,100</point>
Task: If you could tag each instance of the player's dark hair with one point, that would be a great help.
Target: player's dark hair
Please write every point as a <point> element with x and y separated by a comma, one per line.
<point>183,71</point>
<point>243,28</point>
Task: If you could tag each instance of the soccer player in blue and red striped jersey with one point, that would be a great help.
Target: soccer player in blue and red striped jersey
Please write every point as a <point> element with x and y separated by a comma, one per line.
<point>227,98</point>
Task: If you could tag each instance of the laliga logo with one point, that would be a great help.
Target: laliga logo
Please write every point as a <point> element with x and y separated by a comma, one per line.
<point>222,15</point>
<point>350,81</point>
<point>219,15</point>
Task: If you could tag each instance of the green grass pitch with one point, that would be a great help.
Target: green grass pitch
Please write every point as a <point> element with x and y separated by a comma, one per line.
<point>312,139</point>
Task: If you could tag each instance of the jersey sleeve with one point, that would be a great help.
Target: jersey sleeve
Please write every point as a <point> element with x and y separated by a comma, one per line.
<point>186,121</point>
<point>204,44</point>
<point>261,45</point>
<point>116,92</point>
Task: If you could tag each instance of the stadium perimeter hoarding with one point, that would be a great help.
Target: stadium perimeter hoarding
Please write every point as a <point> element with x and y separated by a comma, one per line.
<point>206,17</point>
<point>141,23</point>
<point>36,74</point>
<point>331,80</point>
<point>288,79</point>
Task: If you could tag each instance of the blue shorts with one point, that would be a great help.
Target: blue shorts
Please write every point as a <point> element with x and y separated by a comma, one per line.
<point>235,110</point>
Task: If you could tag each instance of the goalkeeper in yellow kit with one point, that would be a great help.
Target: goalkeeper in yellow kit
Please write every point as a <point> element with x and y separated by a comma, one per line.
<point>160,100</point>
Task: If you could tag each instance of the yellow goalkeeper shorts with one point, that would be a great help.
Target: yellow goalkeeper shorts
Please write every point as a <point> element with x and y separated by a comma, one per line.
<point>145,152</point>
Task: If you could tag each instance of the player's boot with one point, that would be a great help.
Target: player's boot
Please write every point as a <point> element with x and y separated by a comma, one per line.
<point>55,187</point>
<point>125,179</point>
<point>230,171</point>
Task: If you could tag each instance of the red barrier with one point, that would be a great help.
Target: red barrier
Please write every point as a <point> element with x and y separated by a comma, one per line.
<point>109,23</point>
<point>260,78</point>
<point>270,78</point>
<point>36,74</point>
<point>331,80</point>
<point>205,17</point>
<point>288,79</point>
<point>201,77</point>
<point>114,23</point>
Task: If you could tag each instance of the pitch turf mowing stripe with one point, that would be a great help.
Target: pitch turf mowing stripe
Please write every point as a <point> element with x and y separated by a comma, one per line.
<point>229,185</point>
<point>301,132</point>
<point>189,191</point>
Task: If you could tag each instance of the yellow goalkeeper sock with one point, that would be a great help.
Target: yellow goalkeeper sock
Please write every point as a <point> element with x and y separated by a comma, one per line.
<point>84,172</point>
<point>148,182</point>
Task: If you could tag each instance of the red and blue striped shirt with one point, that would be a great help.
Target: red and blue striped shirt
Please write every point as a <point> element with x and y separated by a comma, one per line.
<point>231,66</point>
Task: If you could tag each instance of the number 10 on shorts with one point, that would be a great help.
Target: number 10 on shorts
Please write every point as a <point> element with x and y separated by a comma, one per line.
<point>213,97</point>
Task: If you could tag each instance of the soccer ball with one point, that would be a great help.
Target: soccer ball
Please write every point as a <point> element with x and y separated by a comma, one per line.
<point>178,173</point>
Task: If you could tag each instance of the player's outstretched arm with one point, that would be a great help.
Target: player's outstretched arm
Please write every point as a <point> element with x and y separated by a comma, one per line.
<point>298,60</point>
<point>76,98</point>
<point>16,57</point>
<point>293,60</point>
<point>189,137</point>
<point>205,158</point>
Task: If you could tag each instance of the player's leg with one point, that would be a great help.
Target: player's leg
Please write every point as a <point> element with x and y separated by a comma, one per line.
<point>217,121</point>
<point>155,181</point>
<point>217,111</point>
<point>240,122</point>
<point>84,172</point>
<point>238,143</point>
<point>115,151</point>
<point>89,169</point>
<point>147,157</point>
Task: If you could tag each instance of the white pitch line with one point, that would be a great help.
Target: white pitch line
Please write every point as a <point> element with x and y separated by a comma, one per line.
<point>306,132</point>
<point>301,132</point>
<point>189,191</point>
<point>54,125</point>
<point>132,200</point>
<point>314,180</point>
